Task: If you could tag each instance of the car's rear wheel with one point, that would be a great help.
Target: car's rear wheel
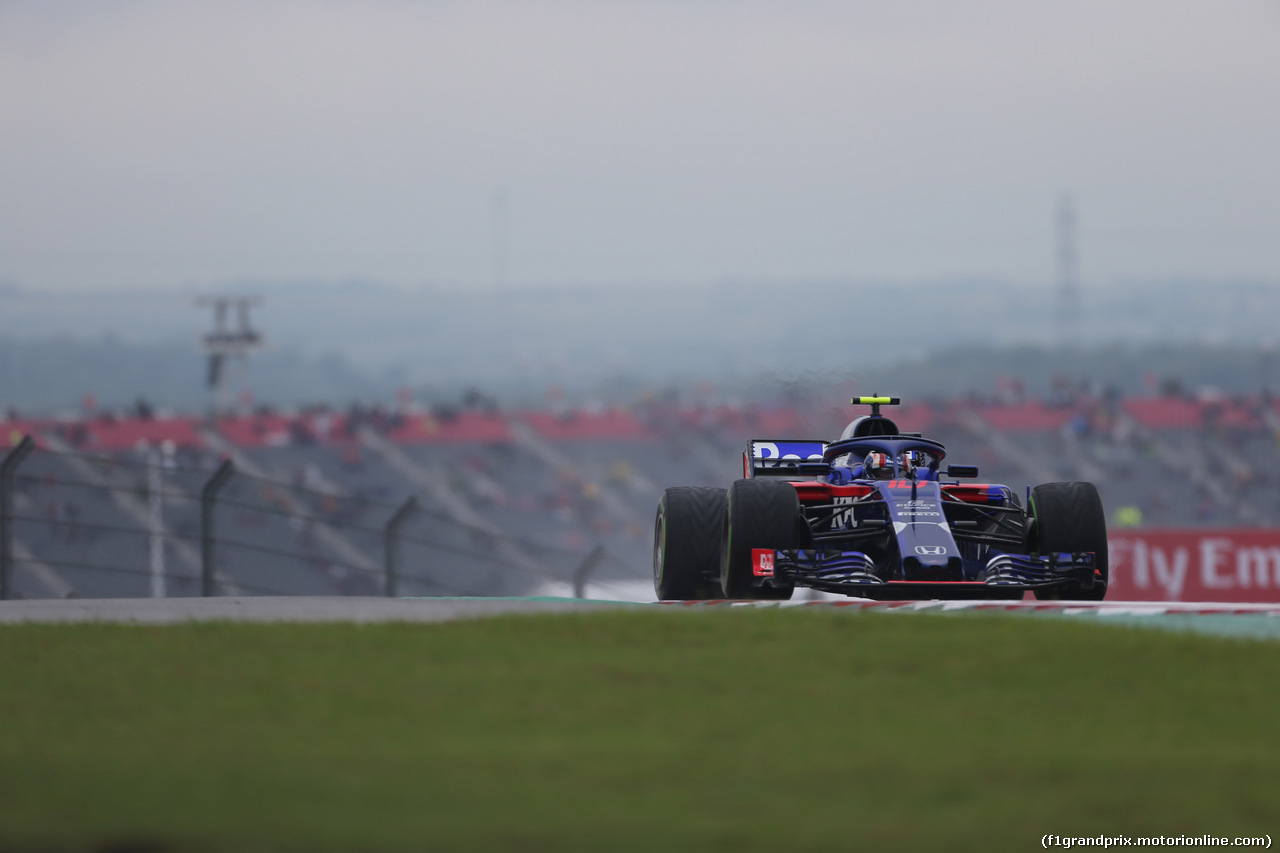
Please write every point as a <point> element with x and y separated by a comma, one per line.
<point>1069,517</point>
<point>758,514</point>
<point>686,544</point>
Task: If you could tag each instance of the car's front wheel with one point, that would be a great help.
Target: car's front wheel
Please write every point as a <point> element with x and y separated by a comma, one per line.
<point>1069,517</point>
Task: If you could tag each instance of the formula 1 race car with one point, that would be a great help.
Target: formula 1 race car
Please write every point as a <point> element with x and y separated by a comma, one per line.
<point>868,516</point>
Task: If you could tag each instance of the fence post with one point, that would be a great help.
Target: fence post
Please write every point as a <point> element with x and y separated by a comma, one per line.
<point>389,541</point>
<point>208,495</point>
<point>7,470</point>
<point>585,568</point>
<point>155,522</point>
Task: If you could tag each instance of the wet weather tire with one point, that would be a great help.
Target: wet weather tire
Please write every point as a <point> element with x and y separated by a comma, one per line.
<point>686,544</point>
<point>758,514</point>
<point>1069,517</point>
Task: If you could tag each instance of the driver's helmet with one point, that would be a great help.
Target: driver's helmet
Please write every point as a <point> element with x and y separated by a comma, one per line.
<point>878,466</point>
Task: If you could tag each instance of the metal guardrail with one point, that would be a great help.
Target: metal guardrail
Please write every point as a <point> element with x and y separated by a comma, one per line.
<point>107,527</point>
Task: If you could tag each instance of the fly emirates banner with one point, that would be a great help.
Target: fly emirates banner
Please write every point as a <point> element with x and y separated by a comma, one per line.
<point>1195,565</point>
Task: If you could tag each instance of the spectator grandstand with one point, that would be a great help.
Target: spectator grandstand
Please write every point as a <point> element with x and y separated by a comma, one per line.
<point>524,500</point>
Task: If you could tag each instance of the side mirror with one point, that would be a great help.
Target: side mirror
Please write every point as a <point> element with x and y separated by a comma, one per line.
<point>966,471</point>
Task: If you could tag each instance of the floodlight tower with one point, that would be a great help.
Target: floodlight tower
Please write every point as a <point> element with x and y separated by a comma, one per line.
<point>225,343</point>
<point>1068,313</point>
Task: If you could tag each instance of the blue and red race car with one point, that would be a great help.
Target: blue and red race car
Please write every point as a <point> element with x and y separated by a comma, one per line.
<point>870,516</point>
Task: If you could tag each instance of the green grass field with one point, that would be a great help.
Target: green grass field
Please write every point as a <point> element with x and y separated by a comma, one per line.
<point>760,730</point>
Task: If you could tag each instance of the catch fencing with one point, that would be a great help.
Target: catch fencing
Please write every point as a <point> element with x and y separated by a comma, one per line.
<point>155,523</point>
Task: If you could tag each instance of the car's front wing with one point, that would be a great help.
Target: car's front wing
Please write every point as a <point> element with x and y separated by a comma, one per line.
<point>854,573</point>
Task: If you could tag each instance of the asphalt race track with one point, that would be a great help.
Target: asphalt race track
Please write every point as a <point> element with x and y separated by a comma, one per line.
<point>284,609</point>
<point>1260,621</point>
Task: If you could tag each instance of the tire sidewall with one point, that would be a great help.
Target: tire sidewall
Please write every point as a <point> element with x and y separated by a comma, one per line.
<point>686,543</point>
<point>758,514</point>
<point>1070,517</point>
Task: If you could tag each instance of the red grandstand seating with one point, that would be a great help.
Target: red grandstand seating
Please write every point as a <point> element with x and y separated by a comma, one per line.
<point>1239,415</point>
<point>751,421</point>
<point>914,417</point>
<point>1165,412</point>
<point>11,432</point>
<point>464,427</point>
<point>576,426</point>
<point>1031,416</point>
<point>780,421</point>
<point>619,424</point>
<point>257,430</point>
<point>129,433</point>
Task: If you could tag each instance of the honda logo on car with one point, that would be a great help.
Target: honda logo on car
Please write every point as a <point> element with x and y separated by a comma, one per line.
<point>931,550</point>
<point>762,562</point>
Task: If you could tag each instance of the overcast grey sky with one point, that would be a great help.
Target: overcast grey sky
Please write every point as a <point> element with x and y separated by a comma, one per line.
<point>158,144</point>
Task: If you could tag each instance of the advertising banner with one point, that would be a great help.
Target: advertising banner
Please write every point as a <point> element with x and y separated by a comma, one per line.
<point>1229,564</point>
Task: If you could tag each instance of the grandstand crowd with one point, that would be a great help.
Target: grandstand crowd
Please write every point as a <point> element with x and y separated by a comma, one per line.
<point>576,478</point>
<point>1156,454</point>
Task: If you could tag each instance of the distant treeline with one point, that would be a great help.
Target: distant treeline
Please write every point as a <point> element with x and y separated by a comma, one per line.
<point>1149,369</point>
<point>50,376</point>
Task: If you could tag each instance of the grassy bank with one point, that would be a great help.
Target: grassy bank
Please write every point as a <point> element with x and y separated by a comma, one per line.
<point>759,730</point>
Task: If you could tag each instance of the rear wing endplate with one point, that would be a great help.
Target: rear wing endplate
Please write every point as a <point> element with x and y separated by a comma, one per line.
<point>796,458</point>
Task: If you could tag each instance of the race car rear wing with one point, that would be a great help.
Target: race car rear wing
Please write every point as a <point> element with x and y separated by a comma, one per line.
<point>795,458</point>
